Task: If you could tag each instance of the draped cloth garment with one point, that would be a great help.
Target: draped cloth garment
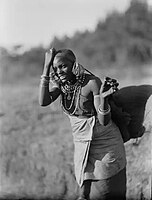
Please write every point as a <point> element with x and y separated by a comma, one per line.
<point>99,150</point>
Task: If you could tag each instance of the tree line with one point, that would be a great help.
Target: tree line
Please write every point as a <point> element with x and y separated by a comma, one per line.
<point>119,40</point>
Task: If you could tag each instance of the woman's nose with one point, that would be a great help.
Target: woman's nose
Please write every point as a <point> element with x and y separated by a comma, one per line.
<point>59,71</point>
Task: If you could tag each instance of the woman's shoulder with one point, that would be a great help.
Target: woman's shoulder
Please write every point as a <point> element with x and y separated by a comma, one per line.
<point>93,83</point>
<point>92,79</point>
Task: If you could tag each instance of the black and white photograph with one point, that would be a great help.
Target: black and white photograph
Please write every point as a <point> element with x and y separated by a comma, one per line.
<point>75,99</point>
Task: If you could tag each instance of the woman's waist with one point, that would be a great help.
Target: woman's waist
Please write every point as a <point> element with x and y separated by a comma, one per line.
<point>82,127</point>
<point>110,131</point>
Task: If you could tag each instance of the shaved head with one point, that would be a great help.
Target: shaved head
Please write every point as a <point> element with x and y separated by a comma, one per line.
<point>65,54</point>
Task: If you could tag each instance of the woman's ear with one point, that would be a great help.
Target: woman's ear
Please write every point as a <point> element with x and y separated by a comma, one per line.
<point>77,70</point>
<point>74,70</point>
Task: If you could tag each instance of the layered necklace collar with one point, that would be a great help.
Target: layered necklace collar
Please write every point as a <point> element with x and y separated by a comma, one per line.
<point>70,88</point>
<point>70,95</point>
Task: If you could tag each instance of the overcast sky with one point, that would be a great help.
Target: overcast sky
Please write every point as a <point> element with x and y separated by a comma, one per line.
<point>34,22</point>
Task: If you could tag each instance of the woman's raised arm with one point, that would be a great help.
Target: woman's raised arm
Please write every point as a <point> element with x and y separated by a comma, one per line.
<point>46,94</point>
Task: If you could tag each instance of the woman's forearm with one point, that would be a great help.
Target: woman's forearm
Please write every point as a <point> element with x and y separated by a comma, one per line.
<point>44,94</point>
<point>104,114</point>
<point>102,108</point>
<point>47,95</point>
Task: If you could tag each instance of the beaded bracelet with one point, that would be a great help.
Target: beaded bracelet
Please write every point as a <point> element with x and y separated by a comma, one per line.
<point>45,86</point>
<point>44,83</point>
<point>96,96</point>
<point>104,112</point>
<point>45,77</point>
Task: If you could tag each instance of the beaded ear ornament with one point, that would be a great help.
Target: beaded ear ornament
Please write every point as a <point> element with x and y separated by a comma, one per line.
<point>77,70</point>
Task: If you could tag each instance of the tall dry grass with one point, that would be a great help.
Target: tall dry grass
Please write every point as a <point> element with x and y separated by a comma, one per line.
<point>37,149</point>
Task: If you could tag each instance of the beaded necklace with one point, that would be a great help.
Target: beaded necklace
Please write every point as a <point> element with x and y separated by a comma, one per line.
<point>70,92</point>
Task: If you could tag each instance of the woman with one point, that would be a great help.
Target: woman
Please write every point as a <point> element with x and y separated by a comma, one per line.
<point>99,156</point>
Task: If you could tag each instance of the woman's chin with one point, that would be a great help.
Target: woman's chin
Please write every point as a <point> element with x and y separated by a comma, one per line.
<point>63,80</point>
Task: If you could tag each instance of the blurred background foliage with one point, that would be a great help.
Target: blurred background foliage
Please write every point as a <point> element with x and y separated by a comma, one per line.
<point>122,39</point>
<point>36,148</point>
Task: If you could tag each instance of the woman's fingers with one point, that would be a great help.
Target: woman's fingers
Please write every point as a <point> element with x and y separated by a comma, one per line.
<point>108,92</point>
<point>109,83</point>
<point>49,55</point>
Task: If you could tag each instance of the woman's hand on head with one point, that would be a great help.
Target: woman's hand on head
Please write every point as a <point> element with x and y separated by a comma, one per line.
<point>108,87</point>
<point>49,56</point>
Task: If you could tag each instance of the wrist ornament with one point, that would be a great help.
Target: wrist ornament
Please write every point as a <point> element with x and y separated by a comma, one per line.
<point>104,112</point>
<point>44,81</point>
<point>45,77</point>
<point>97,96</point>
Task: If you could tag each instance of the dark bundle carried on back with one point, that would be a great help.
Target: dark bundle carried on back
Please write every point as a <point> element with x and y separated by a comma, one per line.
<point>128,107</point>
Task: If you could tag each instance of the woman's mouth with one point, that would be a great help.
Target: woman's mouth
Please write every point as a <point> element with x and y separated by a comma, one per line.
<point>62,77</point>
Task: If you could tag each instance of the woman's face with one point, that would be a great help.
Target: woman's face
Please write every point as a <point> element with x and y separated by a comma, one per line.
<point>63,69</point>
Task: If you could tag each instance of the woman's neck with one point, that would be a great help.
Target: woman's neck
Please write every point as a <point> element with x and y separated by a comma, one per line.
<point>72,81</point>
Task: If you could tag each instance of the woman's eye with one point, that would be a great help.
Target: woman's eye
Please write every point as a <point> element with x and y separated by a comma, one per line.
<point>64,66</point>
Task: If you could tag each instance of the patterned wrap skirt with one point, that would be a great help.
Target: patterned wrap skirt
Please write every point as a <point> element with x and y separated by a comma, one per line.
<point>99,150</point>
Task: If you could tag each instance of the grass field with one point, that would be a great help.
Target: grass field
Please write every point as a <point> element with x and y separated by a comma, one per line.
<point>37,150</point>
